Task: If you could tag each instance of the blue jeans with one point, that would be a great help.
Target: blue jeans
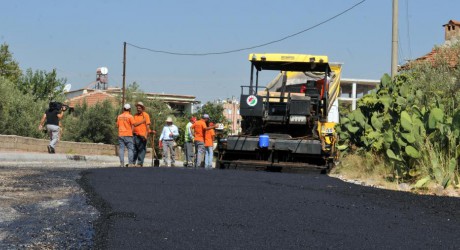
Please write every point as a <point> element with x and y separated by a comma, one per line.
<point>199,152</point>
<point>140,145</point>
<point>208,157</point>
<point>128,142</point>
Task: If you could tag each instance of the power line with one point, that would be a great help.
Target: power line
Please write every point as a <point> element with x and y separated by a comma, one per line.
<point>252,47</point>
<point>408,30</point>
<point>401,52</point>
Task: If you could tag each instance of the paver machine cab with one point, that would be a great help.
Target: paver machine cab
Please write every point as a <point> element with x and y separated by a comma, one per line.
<point>285,124</point>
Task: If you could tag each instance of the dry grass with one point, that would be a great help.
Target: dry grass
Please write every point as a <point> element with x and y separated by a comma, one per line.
<point>357,166</point>
<point>369,170</point>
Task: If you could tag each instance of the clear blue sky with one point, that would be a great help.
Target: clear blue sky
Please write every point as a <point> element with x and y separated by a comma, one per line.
<point>76,37</point>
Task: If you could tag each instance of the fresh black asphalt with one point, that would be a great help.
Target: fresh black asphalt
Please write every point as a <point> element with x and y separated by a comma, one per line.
<point>175,208</point>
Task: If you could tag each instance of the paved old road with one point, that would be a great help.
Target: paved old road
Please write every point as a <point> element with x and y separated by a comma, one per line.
<point>160,208</point>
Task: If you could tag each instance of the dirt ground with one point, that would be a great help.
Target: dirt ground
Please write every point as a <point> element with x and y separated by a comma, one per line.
<point>43,207</point>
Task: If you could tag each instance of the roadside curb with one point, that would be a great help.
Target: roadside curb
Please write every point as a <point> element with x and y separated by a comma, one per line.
<point>38,158</point>
<point>14,156</point>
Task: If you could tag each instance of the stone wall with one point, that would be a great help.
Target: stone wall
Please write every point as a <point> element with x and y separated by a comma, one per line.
<point>19,143</point>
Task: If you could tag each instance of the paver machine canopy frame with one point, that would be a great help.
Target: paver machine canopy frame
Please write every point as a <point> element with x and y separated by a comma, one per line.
<point>293,114</point>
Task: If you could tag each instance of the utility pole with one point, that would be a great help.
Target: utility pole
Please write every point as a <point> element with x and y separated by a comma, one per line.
<point>394,41</point>
<point>124,75</point>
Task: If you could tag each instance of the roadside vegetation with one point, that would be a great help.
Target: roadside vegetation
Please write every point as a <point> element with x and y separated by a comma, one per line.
<point>408,129</point>
<point>25,95</point>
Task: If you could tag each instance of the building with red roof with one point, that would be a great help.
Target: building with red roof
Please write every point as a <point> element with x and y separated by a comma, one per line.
<point>183,104</point>
<point>447,52</point>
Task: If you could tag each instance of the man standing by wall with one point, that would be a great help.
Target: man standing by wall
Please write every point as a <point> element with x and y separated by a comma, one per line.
<point>167,141</point>
<point>52,117</point>
<point>141,131</point>
<point>188,145</point>
<point>208,144</point>
<point>125,123</point>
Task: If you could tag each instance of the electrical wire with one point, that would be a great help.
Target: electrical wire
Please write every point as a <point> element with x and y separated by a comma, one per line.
<point>252,47</point>
<point>408,30</point>
<point>400,52</point>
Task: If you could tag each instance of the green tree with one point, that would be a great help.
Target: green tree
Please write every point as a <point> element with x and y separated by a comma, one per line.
<point>134,93</point>
<point>216,115</point>
<point>91,124</point>
<point>156,108</point>
<point>42,85</point>
<point>20,114</point>
<point>215,112</point>
<point>9,68</point>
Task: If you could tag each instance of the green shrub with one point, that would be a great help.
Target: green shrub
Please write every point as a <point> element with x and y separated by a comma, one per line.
<point>20,114</point>
<point>413,122</point>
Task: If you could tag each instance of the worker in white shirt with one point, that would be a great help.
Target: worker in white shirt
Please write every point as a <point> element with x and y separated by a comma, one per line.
<point>167,141</point>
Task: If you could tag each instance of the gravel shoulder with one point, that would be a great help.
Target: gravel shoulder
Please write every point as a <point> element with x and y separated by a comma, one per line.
<point>44,208</point>
<point>41,204</point>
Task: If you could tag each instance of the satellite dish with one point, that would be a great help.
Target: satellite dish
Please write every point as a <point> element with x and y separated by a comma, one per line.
<point>67,87</point>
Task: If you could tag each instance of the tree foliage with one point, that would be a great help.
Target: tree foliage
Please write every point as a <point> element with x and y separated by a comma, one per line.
<point>216,115</point>
<point>91,124</point>
<point>9,68</point>
<point>42,85</point>
<point>215,112</point>
<point>20,114</point>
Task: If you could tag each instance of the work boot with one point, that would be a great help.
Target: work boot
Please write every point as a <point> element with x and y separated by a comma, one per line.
<point>49,149</point>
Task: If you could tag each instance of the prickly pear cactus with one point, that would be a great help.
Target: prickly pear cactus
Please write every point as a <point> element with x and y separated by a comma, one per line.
<point>396,121</point>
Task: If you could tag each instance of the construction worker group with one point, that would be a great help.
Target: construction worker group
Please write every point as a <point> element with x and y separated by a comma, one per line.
<point>134,131</point>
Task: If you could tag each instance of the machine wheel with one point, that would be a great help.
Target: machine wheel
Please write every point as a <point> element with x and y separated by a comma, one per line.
<point>329,165</point>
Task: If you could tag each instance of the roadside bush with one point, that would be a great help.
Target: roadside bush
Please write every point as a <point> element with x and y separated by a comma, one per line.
<point>20,114</point>
<point>412,122</point>
<point>91,124</point>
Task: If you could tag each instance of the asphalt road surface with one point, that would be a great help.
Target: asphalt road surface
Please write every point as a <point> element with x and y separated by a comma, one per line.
<point>176,208</point>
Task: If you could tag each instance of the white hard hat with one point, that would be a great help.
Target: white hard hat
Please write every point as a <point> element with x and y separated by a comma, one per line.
<point>127,106</point>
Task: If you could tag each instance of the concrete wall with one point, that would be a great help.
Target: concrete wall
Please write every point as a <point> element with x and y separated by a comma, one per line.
<point>19,143</point>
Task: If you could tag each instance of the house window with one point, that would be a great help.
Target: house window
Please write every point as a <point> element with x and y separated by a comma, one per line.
<point>448,27</point>
<point>453,27</point>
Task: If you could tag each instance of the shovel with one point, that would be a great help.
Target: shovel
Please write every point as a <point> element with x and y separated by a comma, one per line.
<point>155,160</point>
